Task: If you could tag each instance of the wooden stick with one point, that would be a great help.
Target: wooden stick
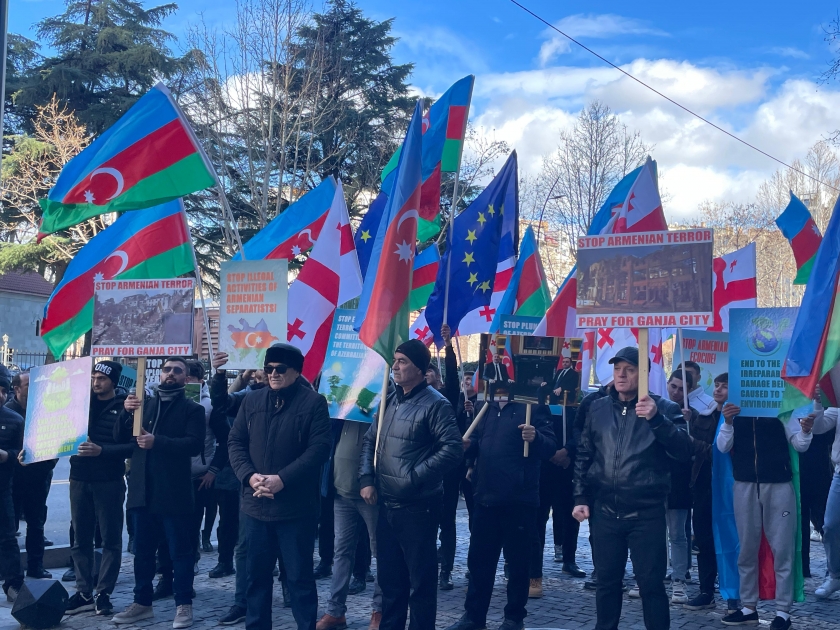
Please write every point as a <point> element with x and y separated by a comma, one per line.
<point>644,363</point>
<point>381,415</point>
<point>140,385</point>
<point>528,424</point>
<point>682,363</point>
<point>474,424</point>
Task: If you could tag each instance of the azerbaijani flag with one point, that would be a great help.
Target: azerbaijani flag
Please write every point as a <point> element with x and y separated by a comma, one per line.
<point>382,316</point>
<point>798,226</point>
<point>148,157</point>
<point>527,294</point>
<point>426,265</point>
<point>139,245</point>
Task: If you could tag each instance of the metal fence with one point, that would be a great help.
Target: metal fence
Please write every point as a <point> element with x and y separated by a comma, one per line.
<point>19,360</point>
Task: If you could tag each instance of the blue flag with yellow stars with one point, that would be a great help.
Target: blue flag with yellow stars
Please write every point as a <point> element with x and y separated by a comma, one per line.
<point>366,234</point>
<point>474,251</point>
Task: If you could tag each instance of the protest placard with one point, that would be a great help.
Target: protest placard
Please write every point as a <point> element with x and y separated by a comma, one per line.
<point>143,318</point>
<point>759,341</point>
<point>253,310</point>
<point>709,350</point>
<point>514,367</point>
<point>518,324</point>
<point>647,279</point>
<point>353,373</point>
<point>57,410</point>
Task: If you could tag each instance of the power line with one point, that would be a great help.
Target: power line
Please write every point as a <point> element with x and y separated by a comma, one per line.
<point>668,98</point>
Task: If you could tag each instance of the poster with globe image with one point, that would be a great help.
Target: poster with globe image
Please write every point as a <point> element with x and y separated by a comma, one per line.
<point>759,339</point>
<point>57,410</point>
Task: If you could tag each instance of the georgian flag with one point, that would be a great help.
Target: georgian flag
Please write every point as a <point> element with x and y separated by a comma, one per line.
<point>329,277</point>
<point>420,329</point>
<point>733,285</point>
<point>609,341</point>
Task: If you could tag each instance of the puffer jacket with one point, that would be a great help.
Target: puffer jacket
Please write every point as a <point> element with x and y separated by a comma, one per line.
<point>285,432</point>
<point>419,444</point>
<point>623,462</point>
<point>201,463</point>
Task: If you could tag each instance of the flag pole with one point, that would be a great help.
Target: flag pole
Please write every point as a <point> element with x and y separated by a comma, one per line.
<point>644,363</point>
<point>682,363</point>
<point>199,283</point>
<point>381,415</point>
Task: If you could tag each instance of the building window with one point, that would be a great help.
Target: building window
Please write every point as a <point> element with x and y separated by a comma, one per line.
<point>37,327</point>
<point>214,323</point>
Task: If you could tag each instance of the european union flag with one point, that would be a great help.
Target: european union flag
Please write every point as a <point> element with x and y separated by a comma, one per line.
<point>366,234</point>
<point>473,251</point>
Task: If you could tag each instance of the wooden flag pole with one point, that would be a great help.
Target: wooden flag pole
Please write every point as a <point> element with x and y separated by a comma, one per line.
<point>528,424</point>
<point>682,363</point>
<point>381,415</point>
<point>474,424</point>
<point>644,363</point>
<point>140,385</point>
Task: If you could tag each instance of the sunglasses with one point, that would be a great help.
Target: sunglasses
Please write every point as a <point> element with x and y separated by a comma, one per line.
<point>172,368</point>
<point>280,369</point>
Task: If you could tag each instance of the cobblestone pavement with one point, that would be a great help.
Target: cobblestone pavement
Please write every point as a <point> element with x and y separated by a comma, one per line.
<point>565,604</point>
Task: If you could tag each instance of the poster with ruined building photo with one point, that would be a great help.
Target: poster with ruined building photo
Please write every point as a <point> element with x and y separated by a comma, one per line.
<point>143,318</point>
<point>648,279</point>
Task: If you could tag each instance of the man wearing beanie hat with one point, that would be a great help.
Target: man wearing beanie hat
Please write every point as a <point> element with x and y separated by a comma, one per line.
<point>280,439</point>
<point>418,444</point>
<point>97,493</point>
<point>11,442</point>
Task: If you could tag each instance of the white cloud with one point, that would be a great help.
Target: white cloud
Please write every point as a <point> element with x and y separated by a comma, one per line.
<point>789,51</point>
<point>442,42</point>
<point>593,27</point>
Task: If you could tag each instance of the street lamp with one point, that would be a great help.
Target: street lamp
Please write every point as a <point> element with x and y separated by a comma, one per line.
<point>545,204</point>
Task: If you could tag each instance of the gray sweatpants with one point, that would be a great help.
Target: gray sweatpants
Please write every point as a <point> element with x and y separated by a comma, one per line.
<point>771,506</point>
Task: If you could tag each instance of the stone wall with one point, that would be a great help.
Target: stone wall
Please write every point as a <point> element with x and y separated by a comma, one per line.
<point>18,316</point>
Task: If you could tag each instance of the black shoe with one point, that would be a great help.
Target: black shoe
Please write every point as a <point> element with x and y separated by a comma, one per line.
<point>738,618</point>
<point>69,575</point>
<point>103,604</point>
<point>780,623</point>
<point>465,623</point>
<point>322,571</point>
<point>80,602</point>
<point>206,545</point>
<point>701,602</point>
<point>445,582</point>
<point>163,589</point>
<point>48,542</point>
<point>573,569</point>
<point>356,586</point>
<point>234,615</point>
<point>591,584</point>
<point>221,570</point>
<point>40,573</point>
<point>131,545</point>
<point>510,624</point>
<point>369,576</point>
<point>287,596</point>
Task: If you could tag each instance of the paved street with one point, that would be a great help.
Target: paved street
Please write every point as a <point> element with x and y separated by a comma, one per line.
<point>565,605</point>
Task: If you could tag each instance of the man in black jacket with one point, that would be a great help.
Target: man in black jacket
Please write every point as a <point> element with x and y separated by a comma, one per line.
<point>419,444</point>
<point>622,479</point>
<point>30,490</point>
<point>507,496</point>
<point>566,381</point>
<point>97,493</point>
<point>11,443</point>
<point>277,446</point>
<point>160,490</point>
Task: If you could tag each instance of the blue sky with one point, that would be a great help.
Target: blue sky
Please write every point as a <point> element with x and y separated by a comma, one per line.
<point>752,67</point>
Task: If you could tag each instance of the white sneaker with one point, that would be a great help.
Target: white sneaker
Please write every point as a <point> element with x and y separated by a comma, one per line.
<point>815,535</point>
<point>678,594</point>
<point>183,616</point>
<point>831,585</point>
<point>634,592</point>
<point>135,612</point>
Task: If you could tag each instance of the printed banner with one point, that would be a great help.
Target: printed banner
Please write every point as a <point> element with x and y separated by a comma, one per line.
<point>518,325</point>
<point>709,350</point>
<point>643,280</point>
<point>57,410</point>
<point>352,377</point>
<point>760,338</point>
<point>253,310</point>
<point>143,318</point>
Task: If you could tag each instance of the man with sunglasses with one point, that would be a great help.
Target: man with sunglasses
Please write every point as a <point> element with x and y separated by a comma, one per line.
<point>160,489</point>
<point>280,439</point>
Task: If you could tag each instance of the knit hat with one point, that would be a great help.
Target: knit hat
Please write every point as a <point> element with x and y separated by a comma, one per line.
<point>111,369</point>
<point>286,354</point>
<point>417,353</point>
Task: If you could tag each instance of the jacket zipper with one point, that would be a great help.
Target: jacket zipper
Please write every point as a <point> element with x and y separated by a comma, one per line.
<point>615,460</point>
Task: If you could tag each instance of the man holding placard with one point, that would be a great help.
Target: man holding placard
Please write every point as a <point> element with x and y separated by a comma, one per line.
<point>97,493</point>
<point>622,480</point>
<point>160,489</point>
<point>11,442</point>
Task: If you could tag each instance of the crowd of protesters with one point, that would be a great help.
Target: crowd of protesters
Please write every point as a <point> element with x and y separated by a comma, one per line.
<point>264,455</point>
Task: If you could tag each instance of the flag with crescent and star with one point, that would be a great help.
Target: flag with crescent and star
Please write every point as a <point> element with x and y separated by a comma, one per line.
<point>154,243</point>
<point>480,256</point>
<point>382,316</point>
<point>146,158</point>
<point>798,226</point>
<point>295,230</point>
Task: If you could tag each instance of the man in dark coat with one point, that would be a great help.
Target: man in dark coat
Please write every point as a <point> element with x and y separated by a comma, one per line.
<point>280,440</point>
<point>402,468</point>
<point>507,496</point>
<point>622,480</point>
<point>97,494</point>
<point>11,443</point>
<point>566,381</point>
<point>160,489</point>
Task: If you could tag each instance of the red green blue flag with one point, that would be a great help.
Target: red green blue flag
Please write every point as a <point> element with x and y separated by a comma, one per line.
<point>148,157</point>
<point>527,294</point>
<point>426,265</point>
<point>139,245</point>
<point>382,316</point>
<point>798,226</point>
